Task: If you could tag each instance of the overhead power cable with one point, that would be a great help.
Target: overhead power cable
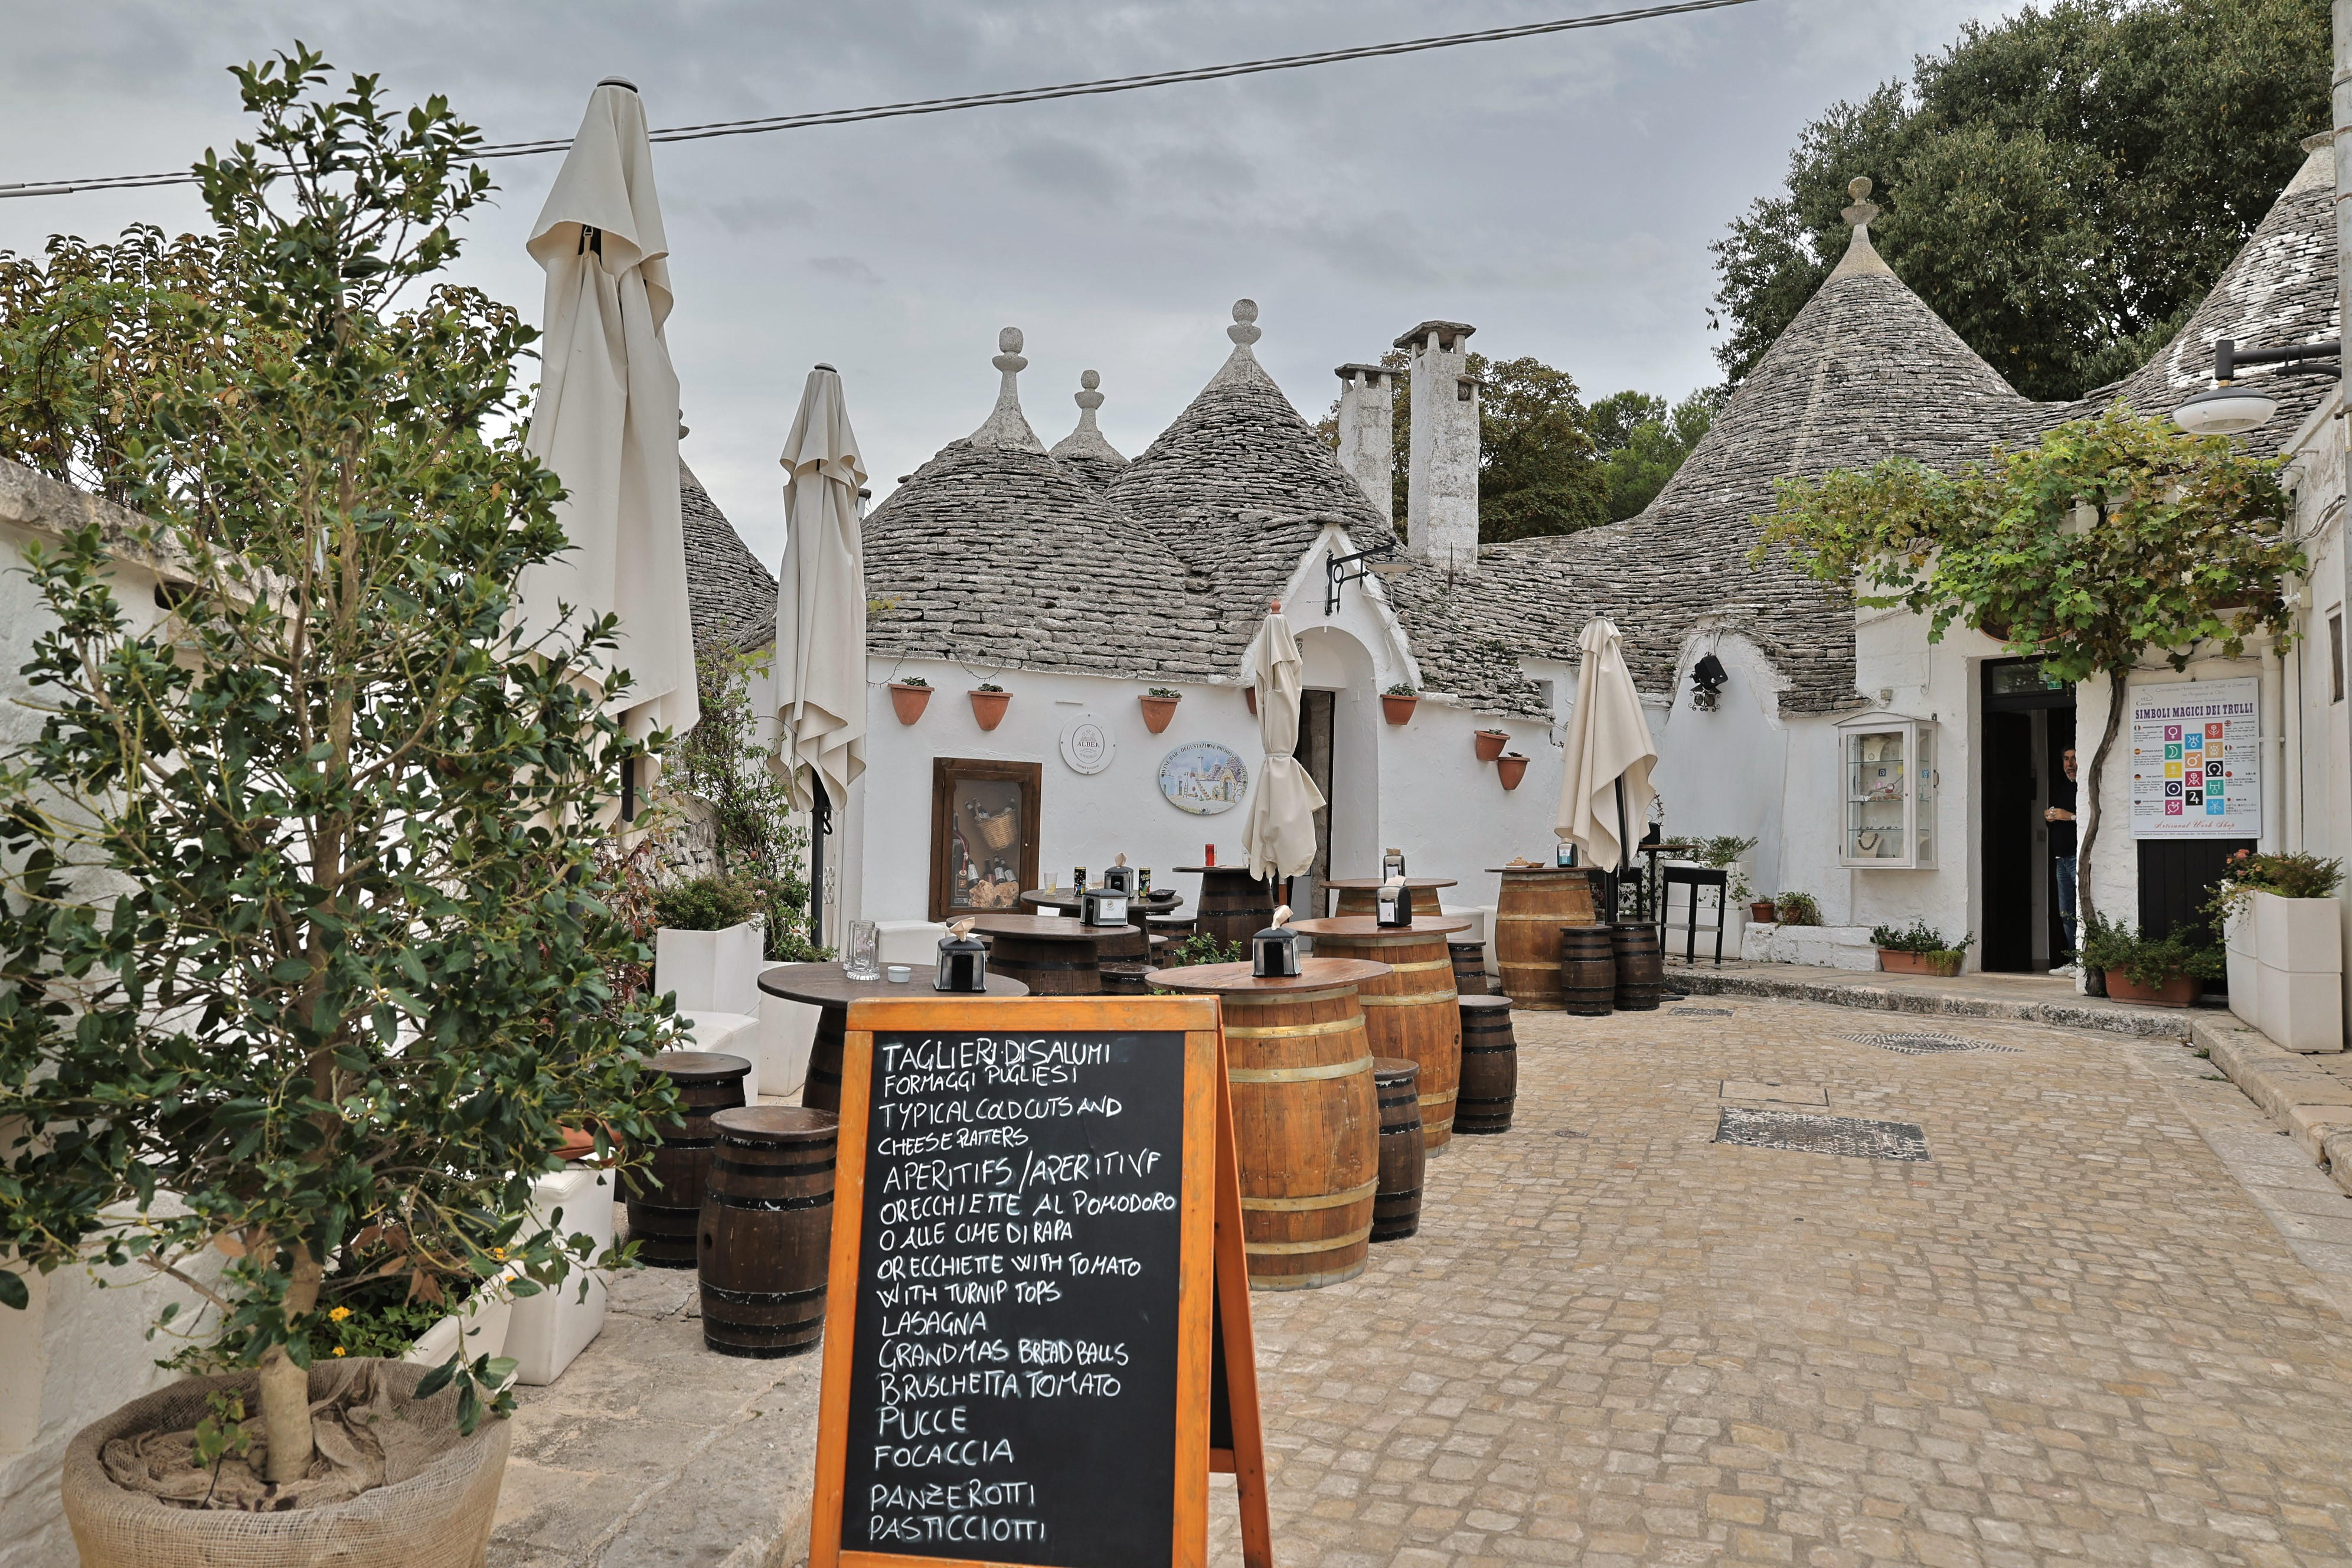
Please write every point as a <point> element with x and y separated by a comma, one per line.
<point>977,100</point>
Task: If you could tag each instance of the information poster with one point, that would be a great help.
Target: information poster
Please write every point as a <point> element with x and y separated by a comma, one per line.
<point>2196,760</point>
<point>1012,1392</point>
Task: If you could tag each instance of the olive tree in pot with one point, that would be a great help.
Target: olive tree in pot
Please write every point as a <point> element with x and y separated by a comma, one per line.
<point>303,935</point>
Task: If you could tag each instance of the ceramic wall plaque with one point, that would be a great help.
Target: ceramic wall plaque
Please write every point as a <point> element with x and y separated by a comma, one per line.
<point>1087,744</point>
<point>1203,778</point>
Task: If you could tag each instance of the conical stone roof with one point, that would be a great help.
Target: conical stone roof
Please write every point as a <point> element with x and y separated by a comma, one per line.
<point>731,596</point>
<point>1084,451</point>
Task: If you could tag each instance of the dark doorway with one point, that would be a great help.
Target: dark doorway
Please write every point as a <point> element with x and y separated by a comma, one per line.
<point>2029,723</point>
<point>2176,880</point>
<point>1316,711</point>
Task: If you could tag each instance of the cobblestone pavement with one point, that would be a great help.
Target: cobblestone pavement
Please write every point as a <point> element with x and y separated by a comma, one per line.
<point>2071,1334</point>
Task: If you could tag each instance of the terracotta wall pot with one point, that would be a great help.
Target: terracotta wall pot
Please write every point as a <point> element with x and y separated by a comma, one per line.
<point>988,707</point>
<point>1157,711</point>
<point>1511,767</point>
<point>1945,964</point>
<point>2177,990</point>
<point>1249,695</point>
<point>1491,744</point>
<point>908,701</point>
<point>1762,912</point>
<point>1398,710</point>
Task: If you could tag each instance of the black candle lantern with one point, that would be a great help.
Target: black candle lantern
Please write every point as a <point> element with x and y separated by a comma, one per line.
<point>1393,902</point>
<point>1103,906</point>
<point>1274,951</point>
<point>963,963</point>
<point>1393,863</point>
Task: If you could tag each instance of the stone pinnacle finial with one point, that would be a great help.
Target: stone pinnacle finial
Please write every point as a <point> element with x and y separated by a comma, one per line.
<point>1861,255</point>
<point>1864,208</point>
<point>1086,398</point>
<point>1005,425</point>
<point>1245,329</point>
<point>1086,444</point>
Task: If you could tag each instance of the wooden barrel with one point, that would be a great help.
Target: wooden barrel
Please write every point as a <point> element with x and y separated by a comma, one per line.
<point>766,1233</point>
<point>1049,966</point>
<point>1235,906</point>
<point>1588,970</point>
<point>1640,971</point>
<point>1490,1066</point>
<point>1124,942</point>
<point>665,1200</point>
<point>1125,978</point>
<point>1305,1120</point>
<point>1396,1207</point>
<point>1536,902</point>
<point>1411,1010</point>
<point>1176,926</point>
<point>1469,967</point>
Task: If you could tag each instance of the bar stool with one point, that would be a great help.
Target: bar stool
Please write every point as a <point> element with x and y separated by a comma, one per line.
<point>1693,877</point>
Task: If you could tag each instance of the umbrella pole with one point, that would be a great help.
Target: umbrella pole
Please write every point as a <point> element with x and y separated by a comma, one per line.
<point>820,823</point>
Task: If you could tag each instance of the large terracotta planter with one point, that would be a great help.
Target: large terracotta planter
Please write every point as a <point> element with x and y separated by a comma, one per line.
<point>438,1517</point>
<point>1396,709</point>
<point>1490,743</point>
<point>1157,711</point>
<point>2177,990</point>
<point>988,707</point>
<point>1762,912</point>
<point>1511,768</point>
<point>1943,964</point>
<point>908,701</point>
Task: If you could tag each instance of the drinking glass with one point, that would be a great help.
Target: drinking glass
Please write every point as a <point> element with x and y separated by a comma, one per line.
<point>862,959</point>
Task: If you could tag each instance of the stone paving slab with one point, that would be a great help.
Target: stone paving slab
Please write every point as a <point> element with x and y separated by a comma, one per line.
<point>2023,998</point>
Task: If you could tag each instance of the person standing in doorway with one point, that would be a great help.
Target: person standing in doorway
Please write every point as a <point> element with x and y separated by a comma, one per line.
<point>2060,815</point>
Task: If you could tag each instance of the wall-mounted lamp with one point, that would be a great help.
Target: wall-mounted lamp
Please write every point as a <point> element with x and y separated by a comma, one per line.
<point>2226,410</point>
<point>1707,677</point>
<point>1384,562</point>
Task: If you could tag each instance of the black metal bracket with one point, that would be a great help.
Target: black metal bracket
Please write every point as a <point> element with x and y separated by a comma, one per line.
<point>2227,356</point>
<point>1336,576</point>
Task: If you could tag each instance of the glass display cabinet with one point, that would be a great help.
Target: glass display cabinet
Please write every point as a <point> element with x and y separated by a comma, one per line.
<point>1887,764</point>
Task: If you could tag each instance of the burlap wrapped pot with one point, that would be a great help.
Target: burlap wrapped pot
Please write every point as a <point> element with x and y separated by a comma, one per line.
<point>439,1516</point>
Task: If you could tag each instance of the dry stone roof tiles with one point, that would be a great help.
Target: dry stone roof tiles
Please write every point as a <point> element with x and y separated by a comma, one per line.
<point>731,596</point>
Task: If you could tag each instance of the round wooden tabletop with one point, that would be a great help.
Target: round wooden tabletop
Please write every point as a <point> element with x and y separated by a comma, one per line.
<point>824,985</point>
<point>1539,866</point>
<point>1370,925</point>
<point>1371,884</point>
<point>1158,902</point>
<point>699,1067</point>
<point>1241,870</point>
<point>1048,928</point>
<point>1235,979</point>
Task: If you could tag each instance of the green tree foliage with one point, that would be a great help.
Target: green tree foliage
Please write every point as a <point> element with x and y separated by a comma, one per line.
<point>1643,442</point>
<point>2061,185</point>
<point>301,916</point>
<point>720,764</point>
<point>2115,538</point>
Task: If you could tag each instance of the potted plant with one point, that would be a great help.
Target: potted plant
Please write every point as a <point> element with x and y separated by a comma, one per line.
<point>710,945</point>
<point>2283,942</point>
<point>1160,706</point>
<point>2169,970</point>
<point>988,703</point>
<point>1510,767</point>
<point>908,697</point>
<point>1490,743</point>
<point>333,977</point>
<point>1798,910</point>
<point>1398,702</point>
<point>1920,948</point>
<point>1725,852</point>
<point>1762,911</point>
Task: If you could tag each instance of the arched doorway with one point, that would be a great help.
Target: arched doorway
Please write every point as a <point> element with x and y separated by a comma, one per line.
<point>1338,744</point>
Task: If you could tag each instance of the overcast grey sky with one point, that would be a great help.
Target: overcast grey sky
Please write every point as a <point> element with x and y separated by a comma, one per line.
<point>1558,193</point>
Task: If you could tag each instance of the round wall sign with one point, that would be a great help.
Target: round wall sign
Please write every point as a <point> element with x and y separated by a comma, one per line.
<point>1203,778</point>
<point>1086,745</point>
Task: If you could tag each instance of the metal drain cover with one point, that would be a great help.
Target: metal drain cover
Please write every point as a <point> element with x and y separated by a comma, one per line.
<point>1848,1135</point>
<point>1700,1012</point>
<point>1928,1045</point>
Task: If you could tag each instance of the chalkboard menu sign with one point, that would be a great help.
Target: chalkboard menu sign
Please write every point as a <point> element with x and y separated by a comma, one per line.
<point>1018,1364</point>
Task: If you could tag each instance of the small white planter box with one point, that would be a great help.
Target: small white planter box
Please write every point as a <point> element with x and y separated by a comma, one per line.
<point>482,1322</point>
<point>2299,983</point>
<point>547,1330</point>
<point>787,1035</point>
<point>2244,969</point>
<point>712,971</point>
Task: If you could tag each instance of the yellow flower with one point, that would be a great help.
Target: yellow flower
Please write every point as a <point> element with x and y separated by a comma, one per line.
<point>500,1253</point>
<point>339,1349</point>
<point>339,1314</point>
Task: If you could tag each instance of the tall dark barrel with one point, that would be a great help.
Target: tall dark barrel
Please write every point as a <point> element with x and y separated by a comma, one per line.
<point>1641,970</point>
<point>665,1201</point>
<point>766,1233</point>
<point>1235,906</point>
<point>1469,967</point>
<point>1396,1207</point>
<point>1490,1066</point>
<point>1049,967</point>
<point>1125,979</point>
<point>1588,970</point>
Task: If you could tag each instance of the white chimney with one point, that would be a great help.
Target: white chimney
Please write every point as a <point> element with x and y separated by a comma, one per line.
<point>1368,432</point>
<point>1442,491</point>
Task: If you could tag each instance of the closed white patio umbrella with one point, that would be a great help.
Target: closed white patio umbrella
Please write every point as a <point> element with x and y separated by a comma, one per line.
<point>1604,791</point>
<point>606,420</point>
<point>820,669</point>
<point>1280,837</point>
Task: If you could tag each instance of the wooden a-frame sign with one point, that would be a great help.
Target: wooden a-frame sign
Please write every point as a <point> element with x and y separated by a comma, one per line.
<point>1037,1336</point>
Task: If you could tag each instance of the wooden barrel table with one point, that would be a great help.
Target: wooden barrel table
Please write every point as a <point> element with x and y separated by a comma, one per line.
<point>1490,1066</point>
<point>1305,1120</point>
<point>1588,970</point>
<point>1469,967</point>
<point>1411,1011</point>
<point>1356,893</point>
<point>665,1200</point>
<point>825,987</point>
<point>1053,956</point>
<point>1233,906</point>
<point>1140,906</point>
<point>1396,1206</point>
<point>767,1230</point>
<point>1535,901</point>
<point>1641,968</point>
